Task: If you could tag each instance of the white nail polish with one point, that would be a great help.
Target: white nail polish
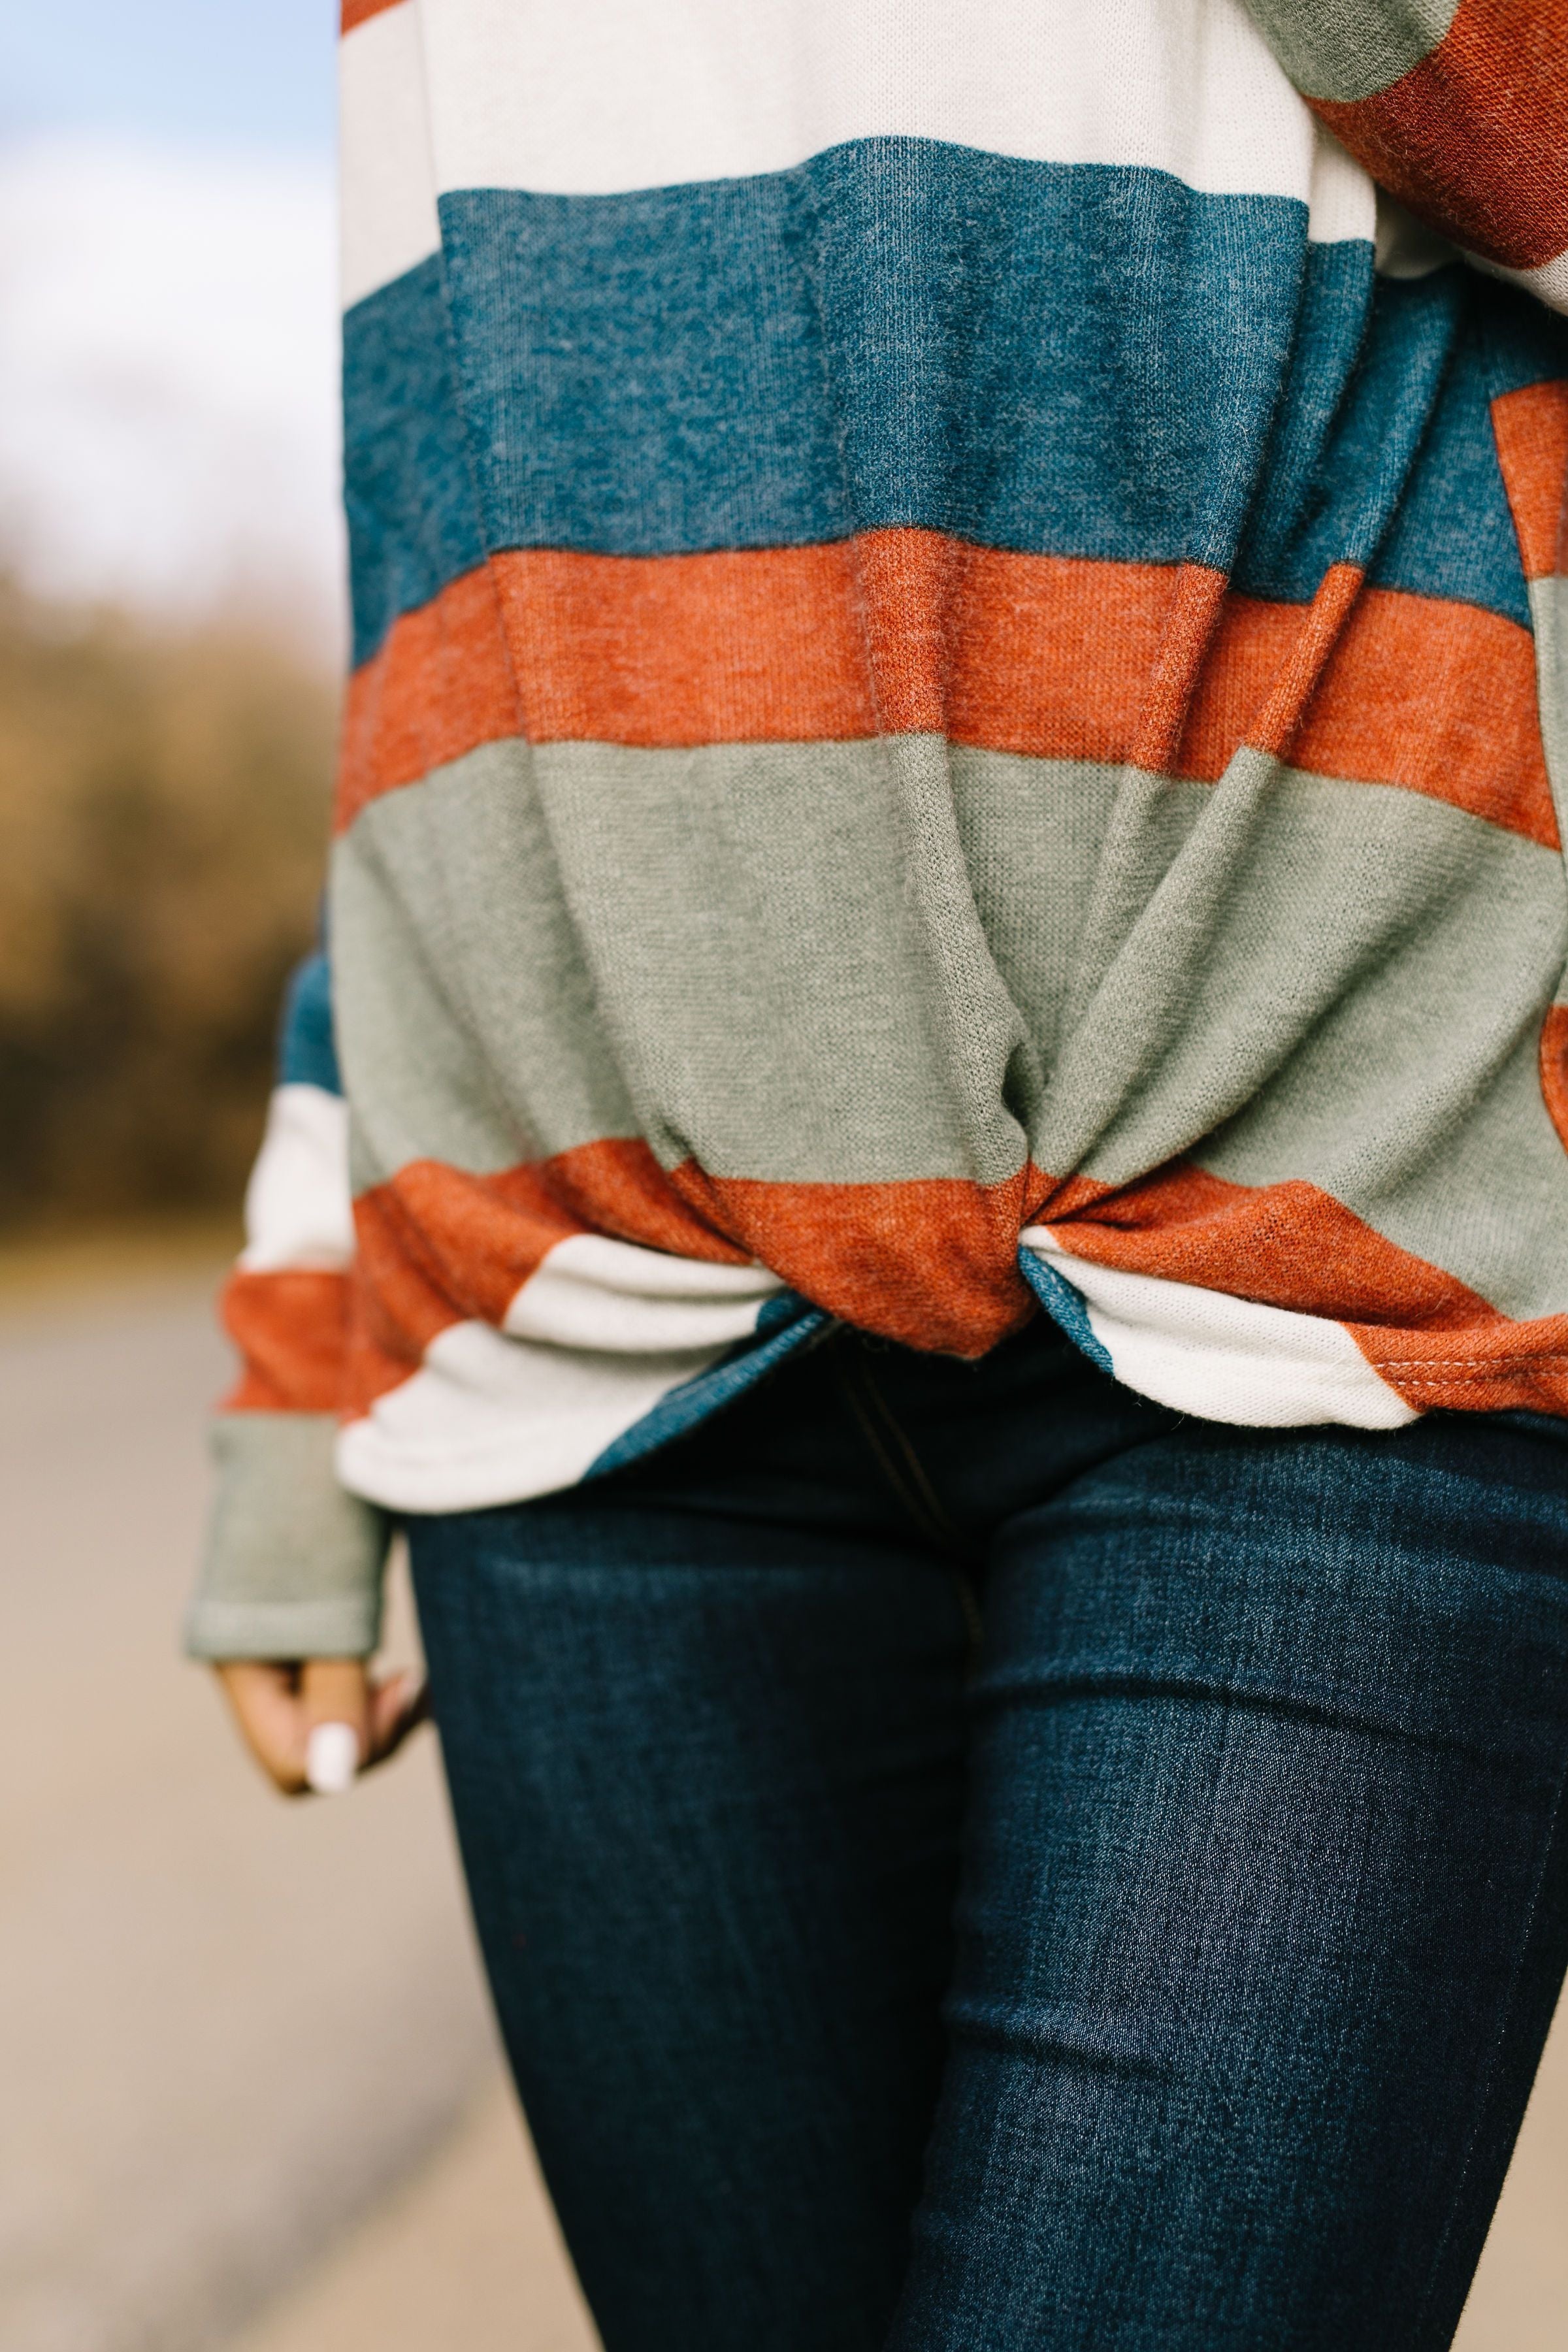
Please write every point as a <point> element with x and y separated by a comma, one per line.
<point>331,1758</point>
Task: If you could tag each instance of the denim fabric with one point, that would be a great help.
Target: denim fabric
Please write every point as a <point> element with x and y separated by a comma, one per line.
<point>967,1859</point>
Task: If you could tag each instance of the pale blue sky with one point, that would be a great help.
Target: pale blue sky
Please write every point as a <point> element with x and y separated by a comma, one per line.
<point>168,337</point>
<point>257,73</point>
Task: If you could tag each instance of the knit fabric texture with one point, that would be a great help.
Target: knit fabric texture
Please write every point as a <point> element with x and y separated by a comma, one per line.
<point>959,709</point>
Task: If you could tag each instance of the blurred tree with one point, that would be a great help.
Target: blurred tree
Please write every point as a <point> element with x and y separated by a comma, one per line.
<point>163,830</point>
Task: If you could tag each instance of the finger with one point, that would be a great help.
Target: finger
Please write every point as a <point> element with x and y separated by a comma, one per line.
<point>335,1711</point>
<point>398,1706</point>
<point>336,1690</point>
<point>265,1702</point>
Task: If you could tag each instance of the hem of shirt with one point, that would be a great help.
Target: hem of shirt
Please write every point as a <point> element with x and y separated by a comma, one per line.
<point>344,1626</point>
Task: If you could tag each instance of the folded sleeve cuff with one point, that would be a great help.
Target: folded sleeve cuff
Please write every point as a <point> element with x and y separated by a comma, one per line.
<point>293,1563</point>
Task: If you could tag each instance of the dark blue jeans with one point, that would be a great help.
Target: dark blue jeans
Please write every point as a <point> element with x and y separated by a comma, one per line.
<point>966,1858</point>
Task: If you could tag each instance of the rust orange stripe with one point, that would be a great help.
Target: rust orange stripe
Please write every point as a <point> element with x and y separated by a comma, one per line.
<point>1304,660</point>
<point>1439,697</point>
<point>902,632</point>
<point>1531,428</point>
<point>1472,138</point>
<point>1289,1246</point>
<point>730,647</point>
<point>1554,1068</point>
<point>1432,1339</point>
<point>932,1263</point>
<point>437,1247</point>
<point>290,1331</point>
<point>1196,611</point>
<point>440,687</point>
<point>355,12</point>
<point>1489,1367</point>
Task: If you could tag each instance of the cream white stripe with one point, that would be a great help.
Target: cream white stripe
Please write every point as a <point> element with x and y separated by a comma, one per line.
<point>490,1419</point>
<point>1342,199</point>
<point>595,1293</point>
<point>593,1339</point>
<point>599,95</point>
<point>297,1209</point>
<point>623,94</point>
<point>1224,1358</point>
<point>388,220</point>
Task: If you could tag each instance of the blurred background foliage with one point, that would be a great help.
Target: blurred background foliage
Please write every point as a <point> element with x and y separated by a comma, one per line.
<point>163,795</point>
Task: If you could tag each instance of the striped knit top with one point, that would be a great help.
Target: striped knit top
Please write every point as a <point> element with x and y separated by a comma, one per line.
<point>959,709</point>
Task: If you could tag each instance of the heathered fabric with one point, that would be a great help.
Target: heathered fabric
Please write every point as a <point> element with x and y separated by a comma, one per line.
<point>959,706</point>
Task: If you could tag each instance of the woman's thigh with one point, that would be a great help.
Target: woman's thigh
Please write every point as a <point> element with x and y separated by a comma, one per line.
<point>706,1759</point>
<point>1262,1912</point>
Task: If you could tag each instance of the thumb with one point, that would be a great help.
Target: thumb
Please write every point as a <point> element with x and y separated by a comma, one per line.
<point>334,1705</point>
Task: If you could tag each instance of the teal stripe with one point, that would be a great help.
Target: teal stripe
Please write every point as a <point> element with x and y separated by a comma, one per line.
<point>1073,360</point>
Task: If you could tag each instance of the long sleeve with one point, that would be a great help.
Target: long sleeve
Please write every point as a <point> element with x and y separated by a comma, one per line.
<point>1460,111</point>
<point>293,1562</point>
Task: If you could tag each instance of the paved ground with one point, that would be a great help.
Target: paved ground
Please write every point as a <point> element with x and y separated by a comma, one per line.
<point>1520,2300</point>
<point>250,2094</point>
<point>226,2024</point>
<point>467,2255</point>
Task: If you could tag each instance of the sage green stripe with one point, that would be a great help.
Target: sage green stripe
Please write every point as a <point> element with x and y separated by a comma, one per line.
<point>1549,620</point>
<point>1457,1163</point>
<point>1341,983</point>
<point>861,963</point>
<point>1350,49</point>
<point>292,1567</point>
<point>1388,945</point>
<point>787,952</point>
<point>1054,863</point>
<point>767,956</point>
<point>464,1007</point>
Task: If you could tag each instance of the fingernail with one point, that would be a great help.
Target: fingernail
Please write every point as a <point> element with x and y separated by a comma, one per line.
<point>331,1758</point>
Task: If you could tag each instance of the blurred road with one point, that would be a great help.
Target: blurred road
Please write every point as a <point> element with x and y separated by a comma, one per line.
<point>250,2092</point>
<point>228,2026</point>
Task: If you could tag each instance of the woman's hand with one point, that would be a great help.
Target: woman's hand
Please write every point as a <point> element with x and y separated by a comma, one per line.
<point>320,1723</point>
